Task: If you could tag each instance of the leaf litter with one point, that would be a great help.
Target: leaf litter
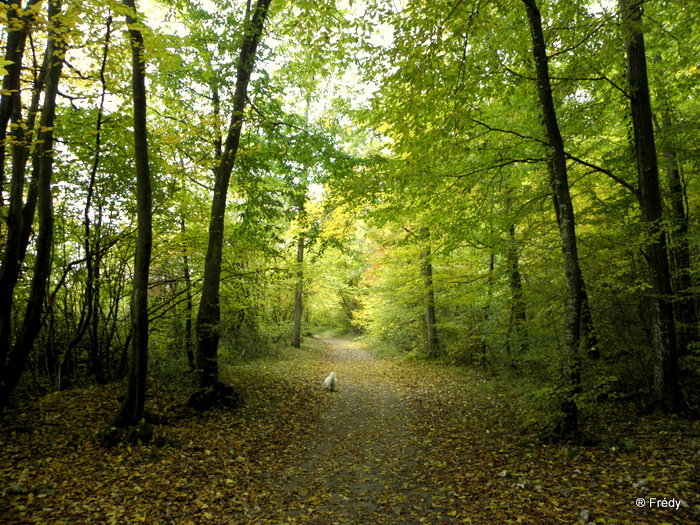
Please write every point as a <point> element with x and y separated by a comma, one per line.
<point>398,442</point>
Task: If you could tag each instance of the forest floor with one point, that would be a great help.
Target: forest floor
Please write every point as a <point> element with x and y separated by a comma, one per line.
<point>399,442</point>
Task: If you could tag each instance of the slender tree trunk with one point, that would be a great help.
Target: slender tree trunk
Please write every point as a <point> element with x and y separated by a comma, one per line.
<point>131,410</point>
<point>189,346</point>
<point>666,395</point>
<point>92,254</point>
<point>298,294</point>
<point>565,213</point>
<point>487,310</point>
<point>589,335</point>
<point>209,314</point>
<point>299,291</point>
<point>588,331</point>
<point>679,251</point>
<point>686,314</point>
<point>518,311</point>
<point>100,361</point>
<point>216,103</point>
<point>19,354</point>
<point>427,272</point>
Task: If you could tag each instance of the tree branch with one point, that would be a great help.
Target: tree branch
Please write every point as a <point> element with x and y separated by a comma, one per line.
<point>610,174</point>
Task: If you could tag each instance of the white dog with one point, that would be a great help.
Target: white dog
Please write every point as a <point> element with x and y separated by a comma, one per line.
<point>329,383</point>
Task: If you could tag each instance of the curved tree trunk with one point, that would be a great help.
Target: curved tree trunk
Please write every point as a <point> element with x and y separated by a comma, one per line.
<point>14,54</point>
<point>589,335</point>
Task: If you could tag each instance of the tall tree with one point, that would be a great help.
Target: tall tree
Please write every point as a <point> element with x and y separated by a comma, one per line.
<point>298,293</point>
<point>88,314</point>
<point>666,395</point>
<point>188,302</point>
<point>13,215</point>
<point>559,181</point>
<point>131,410</point>
<point>517,328</point>
<point>42,168</point>
<point>680,249</point>
<point>427,271</point>
<point>209,313</point>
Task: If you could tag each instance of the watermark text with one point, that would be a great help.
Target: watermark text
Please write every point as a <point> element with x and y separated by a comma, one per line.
<point>657,503</point>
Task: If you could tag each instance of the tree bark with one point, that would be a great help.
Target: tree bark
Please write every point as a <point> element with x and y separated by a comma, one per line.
<point>666,395</point>
<point>209,314</point>
<point>565,213</point>
<point>131,410</point>
<point>589,335</point>
<point>16,359</point>
<point>427,272</point>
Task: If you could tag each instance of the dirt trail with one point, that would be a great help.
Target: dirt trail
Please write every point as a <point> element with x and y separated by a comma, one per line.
<point>360,469</point>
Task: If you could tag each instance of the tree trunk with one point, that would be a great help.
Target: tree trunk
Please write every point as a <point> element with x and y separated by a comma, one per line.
<point>131,410</point>
<point>565,213</point>
<point>209,314</point>
<point>666,389</point>
<point>19,353</point>
<point>298,294</point>
<point>92,255</point>
<point>589,335</point>
<point>487,311</point>
<point>14,54</point>
<point>189,346</point>
<point>679,251</point>
<point>11,111</point>
<point>299,291</point>
<point>427,272</point>
<point>686,315</point>
<point>518,313</point>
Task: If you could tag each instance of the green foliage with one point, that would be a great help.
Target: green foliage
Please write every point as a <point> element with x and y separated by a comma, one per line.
<point>367,122</point>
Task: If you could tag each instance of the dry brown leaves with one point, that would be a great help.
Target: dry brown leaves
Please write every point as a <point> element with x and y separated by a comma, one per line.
<point>398,443</point>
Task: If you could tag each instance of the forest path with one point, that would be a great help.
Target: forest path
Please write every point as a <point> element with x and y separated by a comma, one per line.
<point>362,465</point>
<point>401,441</point>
